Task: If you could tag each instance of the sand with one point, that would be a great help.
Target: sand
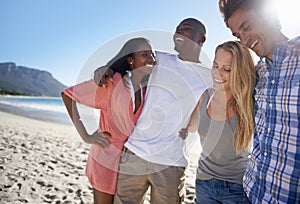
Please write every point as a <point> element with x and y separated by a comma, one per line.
<point>44,162</point>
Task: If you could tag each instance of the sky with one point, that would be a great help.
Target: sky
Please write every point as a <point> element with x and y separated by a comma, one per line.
<point>64,37</point>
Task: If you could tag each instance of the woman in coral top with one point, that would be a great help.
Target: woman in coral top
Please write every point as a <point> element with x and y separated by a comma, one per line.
<point>120,102</point>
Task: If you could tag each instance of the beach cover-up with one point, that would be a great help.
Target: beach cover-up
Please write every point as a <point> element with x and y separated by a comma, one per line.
<point>116,117</point>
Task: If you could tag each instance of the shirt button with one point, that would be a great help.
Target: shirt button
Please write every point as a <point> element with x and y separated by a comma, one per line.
<point>273,81</point>
<point>260,177</point>
<point>270,105</point>
<point>265,154</point>
<point>269,129</point>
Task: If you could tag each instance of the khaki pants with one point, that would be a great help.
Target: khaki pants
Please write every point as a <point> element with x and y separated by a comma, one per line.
<point>136,175</point>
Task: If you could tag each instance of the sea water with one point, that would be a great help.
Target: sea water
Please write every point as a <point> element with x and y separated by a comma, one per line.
<point>45,108</point>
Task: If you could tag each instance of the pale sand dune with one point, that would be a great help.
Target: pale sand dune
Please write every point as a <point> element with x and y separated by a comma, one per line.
<point>42,162</point>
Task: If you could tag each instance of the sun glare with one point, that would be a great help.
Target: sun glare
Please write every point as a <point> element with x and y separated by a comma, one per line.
<point>289,14</point>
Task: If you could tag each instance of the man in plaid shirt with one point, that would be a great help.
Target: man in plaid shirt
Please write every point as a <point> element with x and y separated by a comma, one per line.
<point>273,173</point>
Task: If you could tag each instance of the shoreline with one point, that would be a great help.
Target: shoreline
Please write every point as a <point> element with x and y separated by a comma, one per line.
<point>35,115</point>
<point>35,109</point>
<point>44,161</point>
<point>25,96</point>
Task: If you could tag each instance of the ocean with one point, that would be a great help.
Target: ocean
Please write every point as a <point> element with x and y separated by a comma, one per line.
<point>42,108</point>
<point>51,109</point>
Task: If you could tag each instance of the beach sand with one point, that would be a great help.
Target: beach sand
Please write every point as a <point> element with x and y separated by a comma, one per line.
<point>44,162</point>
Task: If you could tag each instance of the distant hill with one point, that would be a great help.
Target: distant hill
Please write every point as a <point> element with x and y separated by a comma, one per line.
<point>20,80</point>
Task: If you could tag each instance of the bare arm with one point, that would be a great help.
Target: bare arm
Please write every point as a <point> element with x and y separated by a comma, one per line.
<point>194,120</point>
<point>193,123</point>
<point>99,138</point>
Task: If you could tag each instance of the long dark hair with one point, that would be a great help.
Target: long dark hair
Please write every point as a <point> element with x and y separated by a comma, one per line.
<point>119,62</point>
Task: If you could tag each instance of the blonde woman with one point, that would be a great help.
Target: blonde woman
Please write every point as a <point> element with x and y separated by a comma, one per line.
<point>225,123</point>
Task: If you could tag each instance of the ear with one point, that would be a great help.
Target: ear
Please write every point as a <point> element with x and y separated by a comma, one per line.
<point>129,60</point>
<point>203,39</point>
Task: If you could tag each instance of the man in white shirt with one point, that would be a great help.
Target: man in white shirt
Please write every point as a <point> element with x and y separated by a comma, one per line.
<point>154,154</point>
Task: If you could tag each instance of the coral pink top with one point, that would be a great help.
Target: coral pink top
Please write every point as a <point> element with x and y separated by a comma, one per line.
<point>116,117</point>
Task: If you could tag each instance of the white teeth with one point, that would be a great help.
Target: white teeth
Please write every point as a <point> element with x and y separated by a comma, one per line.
<point>149,65</point>
<point>253,44</point>
<point>179,39</point>
<point>219,81</point>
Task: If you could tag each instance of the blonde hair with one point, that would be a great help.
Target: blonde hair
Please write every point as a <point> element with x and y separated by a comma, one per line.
<point>242,82</point>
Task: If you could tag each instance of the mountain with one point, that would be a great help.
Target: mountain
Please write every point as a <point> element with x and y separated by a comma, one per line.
<point>20,80</point>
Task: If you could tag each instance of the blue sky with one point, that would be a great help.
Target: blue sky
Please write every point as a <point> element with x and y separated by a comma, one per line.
<point>60,36</point>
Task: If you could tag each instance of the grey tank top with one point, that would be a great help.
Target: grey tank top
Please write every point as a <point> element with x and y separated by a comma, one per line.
<point>218,158</point>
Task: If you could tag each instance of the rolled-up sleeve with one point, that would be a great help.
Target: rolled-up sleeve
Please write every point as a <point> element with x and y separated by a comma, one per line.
<point>89,94</point>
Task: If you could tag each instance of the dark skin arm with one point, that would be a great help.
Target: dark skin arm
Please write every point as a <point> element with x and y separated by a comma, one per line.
<point>99,138</point>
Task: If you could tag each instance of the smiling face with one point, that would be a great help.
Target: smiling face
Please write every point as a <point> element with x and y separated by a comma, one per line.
<point>184,33</point>
<point>142,61</point>
<point>253,31</point>
<point>189,34</point>
<point>221,70</point>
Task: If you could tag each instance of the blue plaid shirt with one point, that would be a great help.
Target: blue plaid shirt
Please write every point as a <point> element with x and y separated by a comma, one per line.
<point>273,172</point>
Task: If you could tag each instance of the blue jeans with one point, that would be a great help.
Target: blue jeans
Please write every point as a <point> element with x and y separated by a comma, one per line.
<point>218,191</point>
